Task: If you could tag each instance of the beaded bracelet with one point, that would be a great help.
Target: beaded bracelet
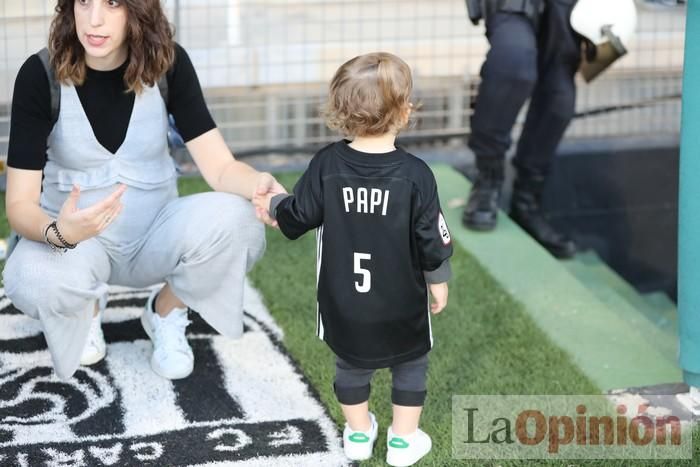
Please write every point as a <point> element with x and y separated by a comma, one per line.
<point>65,245</point>
<point>47,240</point>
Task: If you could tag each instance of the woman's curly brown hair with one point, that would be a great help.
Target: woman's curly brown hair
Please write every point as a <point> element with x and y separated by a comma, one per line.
<point>149,38</point>
<point>369,95</point>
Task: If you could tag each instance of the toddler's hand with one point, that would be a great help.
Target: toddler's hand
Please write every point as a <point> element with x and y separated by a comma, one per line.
<point>438,293</point>
<point>266,188</point>
<point>262,201</point>
<point>262,207</point>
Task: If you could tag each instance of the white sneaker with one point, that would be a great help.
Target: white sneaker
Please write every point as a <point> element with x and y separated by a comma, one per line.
<point>95,348</point>
<point>402,451</point>
<point>358,444</point>
<point>172,356</point>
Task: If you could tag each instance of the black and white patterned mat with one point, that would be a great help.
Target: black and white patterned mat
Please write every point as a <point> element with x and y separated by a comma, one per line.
<point>246,403</point>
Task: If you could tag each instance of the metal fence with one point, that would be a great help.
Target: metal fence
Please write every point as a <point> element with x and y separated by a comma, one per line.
<point>265,64</point>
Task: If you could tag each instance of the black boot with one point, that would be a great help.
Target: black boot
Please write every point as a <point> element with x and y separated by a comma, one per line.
<point>481,212</point>
<point>526,211</point>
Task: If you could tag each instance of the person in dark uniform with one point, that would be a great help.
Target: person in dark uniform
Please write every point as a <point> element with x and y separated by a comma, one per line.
<point>534,54</point>
<point>383,244</point>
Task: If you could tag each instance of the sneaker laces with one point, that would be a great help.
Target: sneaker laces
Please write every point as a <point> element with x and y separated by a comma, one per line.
<point>170,331</point>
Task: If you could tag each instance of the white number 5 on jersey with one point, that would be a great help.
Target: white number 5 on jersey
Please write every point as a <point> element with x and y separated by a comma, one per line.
<point>366,276</point>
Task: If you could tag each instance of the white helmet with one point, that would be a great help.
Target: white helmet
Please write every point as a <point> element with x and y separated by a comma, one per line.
<point>608,25</point>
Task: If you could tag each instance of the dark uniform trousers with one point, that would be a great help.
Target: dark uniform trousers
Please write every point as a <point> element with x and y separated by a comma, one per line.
<point>526,59</point>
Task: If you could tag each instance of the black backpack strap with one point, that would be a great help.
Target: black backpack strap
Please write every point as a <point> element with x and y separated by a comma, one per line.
<point>163,87</point>
<point>54,85</point>
<point>163,83</point>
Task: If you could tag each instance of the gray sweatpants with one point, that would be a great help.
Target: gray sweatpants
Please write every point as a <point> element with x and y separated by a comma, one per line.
<point>202,245</point>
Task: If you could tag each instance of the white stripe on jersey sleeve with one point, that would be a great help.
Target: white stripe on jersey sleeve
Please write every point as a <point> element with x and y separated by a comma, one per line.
<point>430,323</point>
<point>319,255</point>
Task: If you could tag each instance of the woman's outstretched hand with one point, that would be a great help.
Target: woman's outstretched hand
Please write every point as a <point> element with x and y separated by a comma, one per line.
<point>77,225</point>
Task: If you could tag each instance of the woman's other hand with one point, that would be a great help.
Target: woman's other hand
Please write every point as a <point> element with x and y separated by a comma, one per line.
<point>77,225</point>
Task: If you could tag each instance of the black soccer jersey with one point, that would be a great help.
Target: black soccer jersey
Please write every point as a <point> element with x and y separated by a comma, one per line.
<point>380,235</point>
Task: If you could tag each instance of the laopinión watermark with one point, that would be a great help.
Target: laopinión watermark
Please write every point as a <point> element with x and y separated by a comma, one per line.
<point>569,427</point>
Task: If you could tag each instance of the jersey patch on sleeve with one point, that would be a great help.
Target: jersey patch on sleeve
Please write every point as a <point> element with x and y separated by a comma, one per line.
<point>444,232</point>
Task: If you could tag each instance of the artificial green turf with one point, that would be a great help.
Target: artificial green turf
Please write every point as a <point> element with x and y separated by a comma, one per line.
<point>484,344</point>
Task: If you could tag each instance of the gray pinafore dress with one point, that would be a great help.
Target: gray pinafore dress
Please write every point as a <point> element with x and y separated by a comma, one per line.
<point>202,244</point>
